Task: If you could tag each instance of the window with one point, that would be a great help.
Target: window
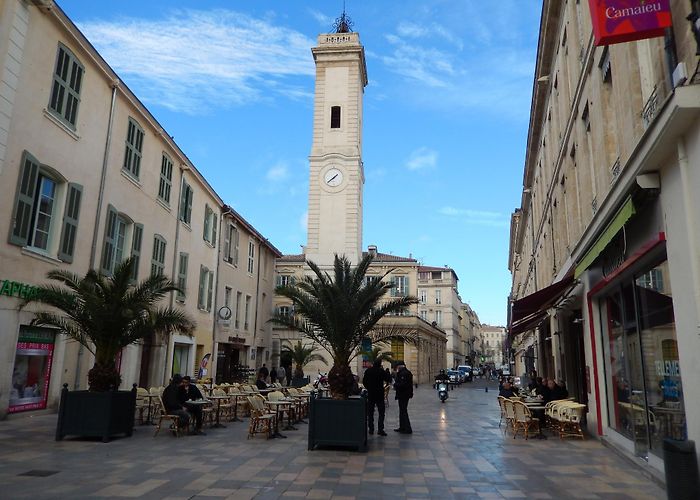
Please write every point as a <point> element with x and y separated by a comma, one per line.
<point>284,311</point>
<point>397,351</point>
<point>65,92</point>
<point>231,245</point>
<point>158,258</point>
<point>238,310</point>
<point>246,323</point>
<point>335,116</point>
<point>227,296</point>
<point>39,211</point>
<point>186,197</point>
<point>182,276</point>
<point>436,275</point>
<point>136,249</point>
<point>438,297</point>
<point>285,280</point>
<point>251,256</point>
<point>206,289</point>
<point>210,221</point>
<point>604,65</point>
<point>134,145</point>
<point>166,179</point>
<point>400,286</point>
<point>120,235</point>
<point>424,276</point>
<point>423,295</point>
<point>438,317</point>
<point>424,315</point>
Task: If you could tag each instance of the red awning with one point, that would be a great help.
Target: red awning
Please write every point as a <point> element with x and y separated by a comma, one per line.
<point>531,309</point>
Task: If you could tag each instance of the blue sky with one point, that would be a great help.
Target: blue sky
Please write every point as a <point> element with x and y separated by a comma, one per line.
<point>445,118</point>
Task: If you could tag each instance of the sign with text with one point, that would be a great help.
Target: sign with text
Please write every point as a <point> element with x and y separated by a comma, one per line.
<point>617,21</point>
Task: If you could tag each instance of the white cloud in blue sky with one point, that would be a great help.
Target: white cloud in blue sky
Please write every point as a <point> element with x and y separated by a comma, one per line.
<point>422,158</point>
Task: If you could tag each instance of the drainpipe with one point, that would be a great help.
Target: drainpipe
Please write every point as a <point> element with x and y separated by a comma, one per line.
<point>226,211</point>
<point>690,223</point>
<point>98,212</point>
<point>183,168</point>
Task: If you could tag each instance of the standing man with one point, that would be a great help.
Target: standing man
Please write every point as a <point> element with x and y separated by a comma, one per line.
<point>281,373</point>
<point>374,380</point>
<point>273,375</point>
<point>265,372</point>
<point>404,391</point>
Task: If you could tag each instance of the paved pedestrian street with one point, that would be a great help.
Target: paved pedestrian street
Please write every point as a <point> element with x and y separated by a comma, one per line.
<point>456,451</point>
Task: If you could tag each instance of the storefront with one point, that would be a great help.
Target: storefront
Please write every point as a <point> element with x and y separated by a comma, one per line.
<point>31,374</point>
<point>230,360</point>
<point>643,385</point>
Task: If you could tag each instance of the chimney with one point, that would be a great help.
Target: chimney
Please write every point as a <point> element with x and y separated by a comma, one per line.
<point>372,250</point>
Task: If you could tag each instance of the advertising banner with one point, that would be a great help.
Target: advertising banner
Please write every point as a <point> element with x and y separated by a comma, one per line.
<point>617,21</point>
<point>32,371</point>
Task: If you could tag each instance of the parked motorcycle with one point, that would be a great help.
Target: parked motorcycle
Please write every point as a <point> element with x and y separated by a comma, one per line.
<point>321,381</point>
<point>441,387</point>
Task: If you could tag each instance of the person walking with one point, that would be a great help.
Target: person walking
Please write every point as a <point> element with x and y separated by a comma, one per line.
<point>273,375</point>
<point>404,391</point>
<point>374,380</point>
<point>281,374</point>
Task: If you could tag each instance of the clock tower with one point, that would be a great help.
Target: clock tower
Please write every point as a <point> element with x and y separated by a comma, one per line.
<point>336,170</point>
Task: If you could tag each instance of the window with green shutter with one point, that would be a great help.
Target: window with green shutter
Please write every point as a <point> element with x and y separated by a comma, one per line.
<point>166,179</point>
<point>182,276</point>
<point>70,222</point>
<point>65,90</point>
<point>201,295</point>
<point>136,238</point>
<point>186,198</point>
<point>210,221</point>
<point>158,257</point>
<point>210,289</point>
<point>133,148</point>
<point>108,245</point>
<point>24,200</point>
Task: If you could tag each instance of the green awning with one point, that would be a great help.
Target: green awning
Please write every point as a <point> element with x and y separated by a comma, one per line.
<point>623,215</point>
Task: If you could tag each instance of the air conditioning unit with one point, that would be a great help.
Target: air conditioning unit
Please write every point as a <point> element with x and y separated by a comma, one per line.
<point>680,75</point>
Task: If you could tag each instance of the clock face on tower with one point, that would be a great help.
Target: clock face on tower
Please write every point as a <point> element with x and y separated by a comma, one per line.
<point>333,177</point>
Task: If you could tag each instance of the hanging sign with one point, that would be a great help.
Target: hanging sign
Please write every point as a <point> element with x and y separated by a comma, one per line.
<point>617,21</point>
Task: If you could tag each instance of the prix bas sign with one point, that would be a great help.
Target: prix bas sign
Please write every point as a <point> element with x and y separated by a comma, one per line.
<point>617,21</point>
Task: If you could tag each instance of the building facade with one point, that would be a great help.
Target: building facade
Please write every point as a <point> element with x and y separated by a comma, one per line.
<point>92,178</point>
<point>604,246</point>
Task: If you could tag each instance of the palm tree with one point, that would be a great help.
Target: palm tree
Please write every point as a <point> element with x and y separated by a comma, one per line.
<point>106,314</point>
<point>378,354</point>
<point>301,355</point>
<point>338,312</point>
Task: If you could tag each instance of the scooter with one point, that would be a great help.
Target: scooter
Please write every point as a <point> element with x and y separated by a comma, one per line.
<point>321,381</point>
<point>441,387</point>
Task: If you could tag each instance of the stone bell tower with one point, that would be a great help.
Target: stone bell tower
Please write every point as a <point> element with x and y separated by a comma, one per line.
<point>336,171</point>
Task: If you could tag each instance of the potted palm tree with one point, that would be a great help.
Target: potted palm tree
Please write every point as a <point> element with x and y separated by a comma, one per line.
<point>300,355</point>
<point>378,353</point>
<point>337,313</point>
<point>105,314</point>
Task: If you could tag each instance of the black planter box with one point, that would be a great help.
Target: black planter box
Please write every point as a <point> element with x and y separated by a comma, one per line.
<point>300,382</point>
<point>96,414</point>
<point>338,423</point>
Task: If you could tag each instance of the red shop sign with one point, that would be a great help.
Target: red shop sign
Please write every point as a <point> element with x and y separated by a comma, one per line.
<point>617,21</point>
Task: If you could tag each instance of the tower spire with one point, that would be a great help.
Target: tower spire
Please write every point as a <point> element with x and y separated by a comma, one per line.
<point>343,24</point>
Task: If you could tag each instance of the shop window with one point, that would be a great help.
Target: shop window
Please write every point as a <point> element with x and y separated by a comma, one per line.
<point>32,369</point>
<point>397,350</point>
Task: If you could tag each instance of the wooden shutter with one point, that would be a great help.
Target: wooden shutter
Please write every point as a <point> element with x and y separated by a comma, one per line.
<point>227,243</point>
<point>207,221</point>
<point>182,276</point>
<point>190,197</point>
<point>70,222</point>
<point>214,221</point>
<point>202,276</point>
<point>210,292</point>
<point>236,237</point>
<point>394,291</point>
<point>183,201</point>
<point>109,240</point>
<point>136,249</point>
<point>24,200</point>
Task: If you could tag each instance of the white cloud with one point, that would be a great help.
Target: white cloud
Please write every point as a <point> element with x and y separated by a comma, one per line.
<point>192,61</point>
<point>412,30</point>
<point>477,217</point>
<point>279,172</point>
<point>422,158</point>
<point>321,18</point>
<point>431,67</point>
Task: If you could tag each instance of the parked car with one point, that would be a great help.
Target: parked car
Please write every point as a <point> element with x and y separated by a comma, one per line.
<point>466,370</point>
<point>455,376</point>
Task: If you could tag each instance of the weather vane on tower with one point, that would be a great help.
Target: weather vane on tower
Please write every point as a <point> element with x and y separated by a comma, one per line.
<point>343,24</point>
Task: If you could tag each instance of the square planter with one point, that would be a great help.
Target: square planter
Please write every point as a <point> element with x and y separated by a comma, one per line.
<point>300,382</point>
<point>96,414</point>
<point>341,423</point>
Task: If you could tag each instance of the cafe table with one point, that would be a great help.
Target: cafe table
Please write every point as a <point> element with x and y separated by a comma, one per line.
<point>218,408</point>
<point>278,406</point>
<point>151,404</point>
<point>235,397</point>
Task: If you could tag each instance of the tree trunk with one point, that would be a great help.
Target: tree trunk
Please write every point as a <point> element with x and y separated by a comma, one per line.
<point>340,381</point>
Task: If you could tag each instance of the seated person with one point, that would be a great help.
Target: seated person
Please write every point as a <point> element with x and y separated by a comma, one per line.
<point>260,383</point>
<point>508,391</point>
<point>190,392</point>
<point>171,401</point>
<point>554,392</point>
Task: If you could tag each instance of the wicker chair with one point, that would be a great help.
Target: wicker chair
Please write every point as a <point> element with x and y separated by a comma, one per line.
<point>260,419</point>
<point>174,420</point>
<point>142,403</point>
<point>524,419</point>
<point>510,415</point>
<point>502,407</point>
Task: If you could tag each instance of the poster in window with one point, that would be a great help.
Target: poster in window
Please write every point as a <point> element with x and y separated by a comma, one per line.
<point>32,370</point>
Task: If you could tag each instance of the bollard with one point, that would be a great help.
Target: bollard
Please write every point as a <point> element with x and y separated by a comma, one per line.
<point>486,389</point>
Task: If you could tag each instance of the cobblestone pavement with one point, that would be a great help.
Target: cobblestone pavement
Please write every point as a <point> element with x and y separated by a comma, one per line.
<point>456,451</point>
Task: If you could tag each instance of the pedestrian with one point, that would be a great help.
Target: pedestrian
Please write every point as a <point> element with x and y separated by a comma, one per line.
<point>404,391</point>
<point>373,381</point>
<point>281,374</point>
<point>273,375</point>
<point>265,372</point>
<point>288,372</point>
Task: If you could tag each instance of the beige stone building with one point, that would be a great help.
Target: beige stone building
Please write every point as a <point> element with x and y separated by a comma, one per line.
<point>92,178</point>
<point>470,326</point>
<point>604,246</point>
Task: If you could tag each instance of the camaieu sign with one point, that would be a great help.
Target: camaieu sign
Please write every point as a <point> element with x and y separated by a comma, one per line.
<point>617,21</point>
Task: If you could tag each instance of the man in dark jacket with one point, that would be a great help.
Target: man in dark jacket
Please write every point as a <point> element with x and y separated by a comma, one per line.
<point>374,380</point>
<point>171,401</point>
<point>404,392</point>
<point>190,392</point>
